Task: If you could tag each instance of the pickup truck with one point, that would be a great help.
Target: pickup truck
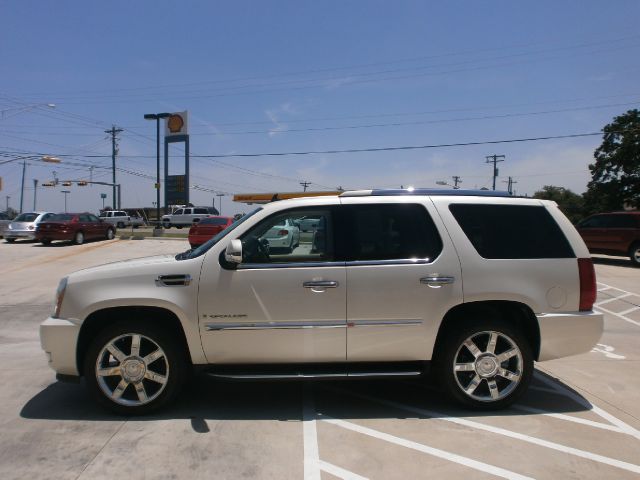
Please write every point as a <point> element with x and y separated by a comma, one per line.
<point>187,216</point>
<point>121,219</point>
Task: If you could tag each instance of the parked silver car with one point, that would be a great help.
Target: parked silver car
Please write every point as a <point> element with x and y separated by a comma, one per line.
<point>24,226</point>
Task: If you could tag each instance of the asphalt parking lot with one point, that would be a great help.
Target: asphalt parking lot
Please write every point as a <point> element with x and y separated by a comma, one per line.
<point>580,419</point>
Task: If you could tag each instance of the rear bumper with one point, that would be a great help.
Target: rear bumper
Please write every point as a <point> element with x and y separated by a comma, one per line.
<point>564,334</point>
<point>58,338</point>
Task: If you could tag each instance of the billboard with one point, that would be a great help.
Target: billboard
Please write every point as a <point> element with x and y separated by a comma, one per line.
<point>176,124</point>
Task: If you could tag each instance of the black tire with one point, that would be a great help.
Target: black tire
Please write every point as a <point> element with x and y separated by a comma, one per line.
<point>492,390</point>
<point>634,254</point>
<point>45,241</point>
<point>110,234</point>
<point>120,225</point>
<point>179,227</point>
<point>78,238</point>
<point>170,368</point>
<point>10,240</point>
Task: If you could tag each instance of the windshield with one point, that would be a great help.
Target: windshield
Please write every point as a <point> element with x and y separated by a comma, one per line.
<point>26,217</point>
<point>196,252</point>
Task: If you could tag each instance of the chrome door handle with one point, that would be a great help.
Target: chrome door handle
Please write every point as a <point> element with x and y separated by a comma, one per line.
<point>437,280</point>
<point>320,284</point>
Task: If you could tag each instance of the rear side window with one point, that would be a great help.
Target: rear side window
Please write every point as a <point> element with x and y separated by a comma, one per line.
<point>621,221</point>
<point>201,211</point>
<point>391,232</point>
<point>512,231</point>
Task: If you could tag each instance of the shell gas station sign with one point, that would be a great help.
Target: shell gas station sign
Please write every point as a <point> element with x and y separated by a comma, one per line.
<point>176,124</point>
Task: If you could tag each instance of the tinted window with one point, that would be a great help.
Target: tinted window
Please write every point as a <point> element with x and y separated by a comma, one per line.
<point>61,217</point>
<point>592,222</point>
<point>26,217</point>
<point>178,212</point>
<point>512,231</point>
<point>119,214</point>
<point>201,211</point>
<point>391,232</point>
<point>213,221</point>
<point>93,218</point>
<point>85,218</point>
<point>278,239</point>
<point>620,221</point>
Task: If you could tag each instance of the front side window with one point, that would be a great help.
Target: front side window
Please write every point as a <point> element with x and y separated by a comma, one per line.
<point>93,218</point>
<point>390,232</point>
<point>178,212</point>
<point>278,239</point>
<point>512,231</point>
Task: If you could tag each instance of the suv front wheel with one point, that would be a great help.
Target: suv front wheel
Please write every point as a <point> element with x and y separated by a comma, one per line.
<point>634,254</point>
<point>132,368</point>
<point>486,365</point>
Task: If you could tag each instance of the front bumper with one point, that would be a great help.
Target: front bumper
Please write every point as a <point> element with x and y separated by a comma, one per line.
<point>18,234</point>
<point>59,338</point>
<point>564,334</point>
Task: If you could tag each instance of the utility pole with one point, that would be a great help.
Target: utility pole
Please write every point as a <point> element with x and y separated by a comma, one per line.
<point>35,191</point>
<point>494,159</point>
<point>456,181</point>
<point>305,185</point>
<point>91,176</point>
<point>8,197</point>
<point>220,195</point>
<point>114,150</point>
<point>24,168</point>
<point>510,183</point>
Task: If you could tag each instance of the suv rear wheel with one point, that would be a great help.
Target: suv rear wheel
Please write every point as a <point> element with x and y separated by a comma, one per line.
<point>132,368</point>
<point>487,365</point>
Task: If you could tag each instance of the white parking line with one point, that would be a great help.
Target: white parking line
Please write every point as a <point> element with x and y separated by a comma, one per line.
<point>508,433</point>
<point>568,418</point>
<point>310,437</point>
<point>452,457</point>
<point>613,299</point>
<point>340,472</point>
<point>621,317</point>
<point>608,287</point>
<point>633,309</point>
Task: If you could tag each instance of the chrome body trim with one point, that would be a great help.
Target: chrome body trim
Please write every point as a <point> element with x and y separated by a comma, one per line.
<point>398,261</point>
<point>437,280</point>
<point>320,284</point>
<point>273,325</point>
<point>384,323</point>
<point>303,325</point>
<point>262,266</point>
<point>284,376</point>
<point>180,280</point>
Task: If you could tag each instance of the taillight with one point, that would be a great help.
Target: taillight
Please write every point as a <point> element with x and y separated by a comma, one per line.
<point>587,283</point>
<point>283,233</point>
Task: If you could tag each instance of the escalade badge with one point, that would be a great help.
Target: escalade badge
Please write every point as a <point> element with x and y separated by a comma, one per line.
<point>225,315</point>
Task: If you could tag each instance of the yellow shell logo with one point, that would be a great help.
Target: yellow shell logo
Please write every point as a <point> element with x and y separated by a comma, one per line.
<point>175,123</point>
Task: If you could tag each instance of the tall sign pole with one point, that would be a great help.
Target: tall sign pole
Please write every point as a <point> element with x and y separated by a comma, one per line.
<point>176,187</point>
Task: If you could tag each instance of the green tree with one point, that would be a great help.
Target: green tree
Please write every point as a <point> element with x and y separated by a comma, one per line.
<point>571,204</point>
<point>616,171</point>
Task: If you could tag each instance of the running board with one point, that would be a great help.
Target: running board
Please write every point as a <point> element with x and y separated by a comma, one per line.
<point>301,371</point>
<point>302,376</point>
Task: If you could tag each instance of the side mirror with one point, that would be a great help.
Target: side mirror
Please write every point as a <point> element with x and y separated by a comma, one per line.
<point>234,252</point>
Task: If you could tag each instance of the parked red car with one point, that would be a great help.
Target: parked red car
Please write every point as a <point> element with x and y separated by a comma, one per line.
<point>206,228</point>
<point>616,233</point>
<point>76,227</point>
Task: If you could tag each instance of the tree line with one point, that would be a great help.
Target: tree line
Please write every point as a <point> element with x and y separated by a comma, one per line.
<point>615,173</point>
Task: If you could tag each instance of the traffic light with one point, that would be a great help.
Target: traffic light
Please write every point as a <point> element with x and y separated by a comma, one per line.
<point>82,183</point>
<point>66,184</point>
<point>48,184</point>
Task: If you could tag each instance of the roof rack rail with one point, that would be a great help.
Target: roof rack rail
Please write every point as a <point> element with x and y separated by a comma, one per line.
<point>424,191</point>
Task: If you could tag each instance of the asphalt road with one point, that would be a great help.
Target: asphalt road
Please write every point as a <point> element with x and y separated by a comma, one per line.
<point>580,419</point>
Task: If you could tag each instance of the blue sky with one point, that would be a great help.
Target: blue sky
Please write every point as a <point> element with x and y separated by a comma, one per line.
<point>287,76</point>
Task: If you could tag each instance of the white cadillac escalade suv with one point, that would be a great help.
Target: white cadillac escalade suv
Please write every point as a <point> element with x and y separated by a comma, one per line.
<point>476,284</point>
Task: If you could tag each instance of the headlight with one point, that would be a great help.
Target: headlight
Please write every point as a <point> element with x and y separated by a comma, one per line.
<point>62,287</point>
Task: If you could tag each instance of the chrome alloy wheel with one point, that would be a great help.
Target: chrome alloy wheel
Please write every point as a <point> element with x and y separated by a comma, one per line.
<point>132,379</point>
<point>488,366</point>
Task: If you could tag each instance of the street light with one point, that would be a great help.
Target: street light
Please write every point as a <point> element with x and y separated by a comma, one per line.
<point>65,199</point>
<point>25,108</point>
<point>157,117</point>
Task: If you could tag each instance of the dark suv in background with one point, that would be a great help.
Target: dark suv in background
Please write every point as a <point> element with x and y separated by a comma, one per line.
<point>616,233</point>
